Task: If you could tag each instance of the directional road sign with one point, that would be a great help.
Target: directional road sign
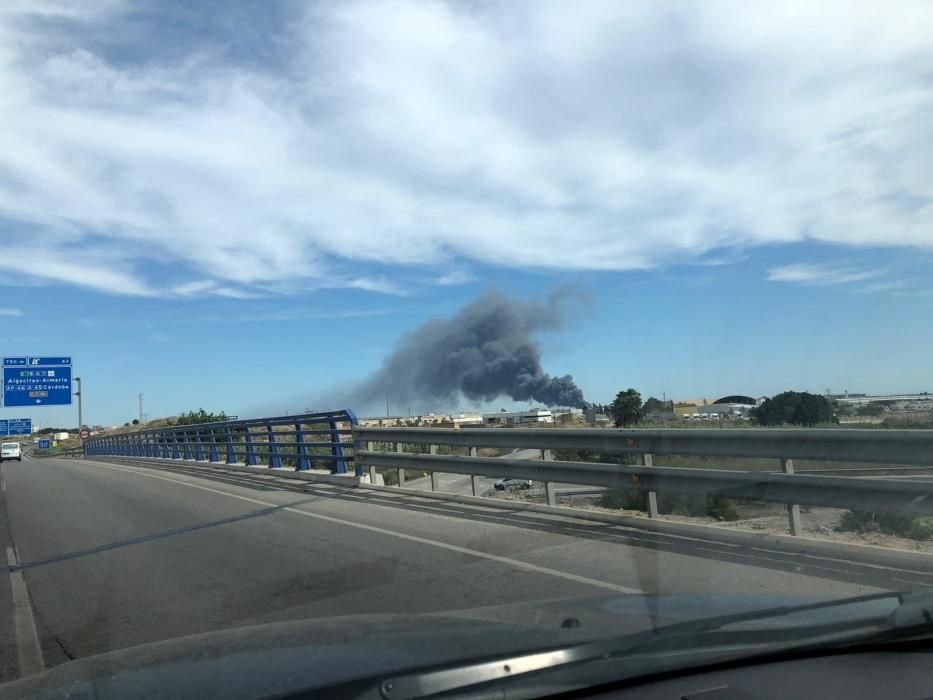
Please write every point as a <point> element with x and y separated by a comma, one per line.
<point>37,381</point>
<point>45,444</point>
<point>16,426</point>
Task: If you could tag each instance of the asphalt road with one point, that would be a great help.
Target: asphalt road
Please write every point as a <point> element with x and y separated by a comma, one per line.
<point>116,555</point>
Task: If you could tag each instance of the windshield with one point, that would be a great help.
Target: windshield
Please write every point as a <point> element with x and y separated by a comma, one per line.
<point>455,328</point>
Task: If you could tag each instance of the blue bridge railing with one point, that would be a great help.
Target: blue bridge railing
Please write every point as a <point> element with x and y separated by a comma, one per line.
<point>307,441</point>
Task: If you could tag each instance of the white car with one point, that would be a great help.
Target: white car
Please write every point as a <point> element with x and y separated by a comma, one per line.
<point>509,484</point>
<point>10,450</point>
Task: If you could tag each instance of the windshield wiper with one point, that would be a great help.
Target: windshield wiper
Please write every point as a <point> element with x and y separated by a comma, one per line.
<point>912,614</point>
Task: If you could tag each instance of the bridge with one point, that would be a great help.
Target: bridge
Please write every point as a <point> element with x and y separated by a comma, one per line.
<point>154,534</point>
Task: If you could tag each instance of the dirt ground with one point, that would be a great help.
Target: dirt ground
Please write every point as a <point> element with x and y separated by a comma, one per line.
<point>819,523</point>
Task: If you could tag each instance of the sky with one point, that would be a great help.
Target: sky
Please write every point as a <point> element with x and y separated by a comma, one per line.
<point>244,206</point>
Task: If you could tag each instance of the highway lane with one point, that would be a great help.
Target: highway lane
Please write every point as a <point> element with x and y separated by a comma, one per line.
<point>116,555</point>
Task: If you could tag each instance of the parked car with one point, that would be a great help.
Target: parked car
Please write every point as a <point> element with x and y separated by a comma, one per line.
<point>510,484</point>
<point>10,450</point>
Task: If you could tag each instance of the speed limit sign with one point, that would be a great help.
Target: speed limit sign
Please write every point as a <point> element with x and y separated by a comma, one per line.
<point>85,434</point>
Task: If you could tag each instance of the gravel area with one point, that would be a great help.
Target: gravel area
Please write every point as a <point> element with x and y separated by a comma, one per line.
<point>819,523</point>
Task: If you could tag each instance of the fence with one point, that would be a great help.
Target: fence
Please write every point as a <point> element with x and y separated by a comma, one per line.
<point>287,441</point>
<point>904,447</point>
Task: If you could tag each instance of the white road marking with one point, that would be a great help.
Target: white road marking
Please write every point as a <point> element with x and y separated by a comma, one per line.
<point>27,639</point>
<point>2,486</point>
<point>391,533</point>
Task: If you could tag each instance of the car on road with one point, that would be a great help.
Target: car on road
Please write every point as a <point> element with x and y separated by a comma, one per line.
<point>512,484</point>
<point>10,450</point>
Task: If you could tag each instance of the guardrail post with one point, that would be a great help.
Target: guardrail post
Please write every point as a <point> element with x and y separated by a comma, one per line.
<point>550,489</point>
<point>336,449</point>
<point>231,452</point>
<point>357,445</point>
<point>250,448</point>
<point>435,482</point>
<point>401,472</point>
<point>372,469</point>
<point>474,479</point>
<point>275,459</point>
<point>648,460</point>
<point>215,453</point>
<point>176,453</point>
<point>793,510</point>
<point>186,434</point>
<point>301,450</point>
<point>198,446</point>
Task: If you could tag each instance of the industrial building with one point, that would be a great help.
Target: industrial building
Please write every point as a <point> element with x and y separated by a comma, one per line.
<point>533,415</point>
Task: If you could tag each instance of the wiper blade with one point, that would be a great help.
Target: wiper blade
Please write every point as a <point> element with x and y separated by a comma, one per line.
<point>913,612</point>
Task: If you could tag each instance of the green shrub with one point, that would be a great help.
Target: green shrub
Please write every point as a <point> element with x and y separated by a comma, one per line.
<point>390,476</point>
<point>889,523</point>
<point>696,505</point>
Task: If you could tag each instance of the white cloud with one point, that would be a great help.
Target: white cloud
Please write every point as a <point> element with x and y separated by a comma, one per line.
<point>11,312</point>
<point>583,136</point>
<point>805,273</point>
<point>454,278</point>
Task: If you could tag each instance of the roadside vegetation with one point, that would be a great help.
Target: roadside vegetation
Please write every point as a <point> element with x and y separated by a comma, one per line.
<point>717,507</point>
<point>915,528</point>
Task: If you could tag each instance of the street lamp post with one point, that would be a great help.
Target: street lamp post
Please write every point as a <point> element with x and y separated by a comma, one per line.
<point>78,394</point>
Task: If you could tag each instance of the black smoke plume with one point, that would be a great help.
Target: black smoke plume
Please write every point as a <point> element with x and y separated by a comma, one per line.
<point>485,351</point>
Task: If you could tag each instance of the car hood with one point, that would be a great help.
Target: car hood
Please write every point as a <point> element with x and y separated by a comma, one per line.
<point>273,659</point>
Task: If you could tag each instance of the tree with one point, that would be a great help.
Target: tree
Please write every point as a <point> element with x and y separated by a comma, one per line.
<point>655,405</point>
<point>200,416</point>
<point>626,408</point>
<point>794,408</point>
<point>136,421</point>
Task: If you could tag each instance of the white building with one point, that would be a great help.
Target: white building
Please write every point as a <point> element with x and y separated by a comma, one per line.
<point>534,415</point>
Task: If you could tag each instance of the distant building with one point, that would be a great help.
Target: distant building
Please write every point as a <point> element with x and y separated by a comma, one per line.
<point>534,415</point>
<point>597,419</point>
<point>734,406</point>
<point>568,415</point>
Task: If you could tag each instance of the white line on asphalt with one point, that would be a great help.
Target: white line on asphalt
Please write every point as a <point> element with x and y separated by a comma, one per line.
<point>391,533</point>
<point>782,561</point>
<point>27,640</point>
<point>2,486</point>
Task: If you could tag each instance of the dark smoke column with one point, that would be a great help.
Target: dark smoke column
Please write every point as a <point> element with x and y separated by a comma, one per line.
<point>485,351</point>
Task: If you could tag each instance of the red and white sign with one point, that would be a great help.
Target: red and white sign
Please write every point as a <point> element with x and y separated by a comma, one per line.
<point>85,434</point>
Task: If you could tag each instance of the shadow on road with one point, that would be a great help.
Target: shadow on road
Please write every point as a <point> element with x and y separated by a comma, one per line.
<point>703,545</point>
<point>165,534</point>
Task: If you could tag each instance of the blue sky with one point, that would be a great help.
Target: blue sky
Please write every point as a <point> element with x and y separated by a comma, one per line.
<point>243,208</point>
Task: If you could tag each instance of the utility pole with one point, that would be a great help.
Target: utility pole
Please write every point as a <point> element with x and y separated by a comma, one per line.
<point>140,408</point>
<point>387,404</point>
<point>78,394</point>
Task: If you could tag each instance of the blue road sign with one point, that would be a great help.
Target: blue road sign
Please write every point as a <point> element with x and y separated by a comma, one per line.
<point>14,361</point>
<point>47,361</point>
<point>45,444</point>
<point>35,383</point>
<point>19,426</point>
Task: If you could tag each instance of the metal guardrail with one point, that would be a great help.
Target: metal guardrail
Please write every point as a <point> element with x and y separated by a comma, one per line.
<point>868,446</point>
<point>913,447</point>
<point>285,441</point>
